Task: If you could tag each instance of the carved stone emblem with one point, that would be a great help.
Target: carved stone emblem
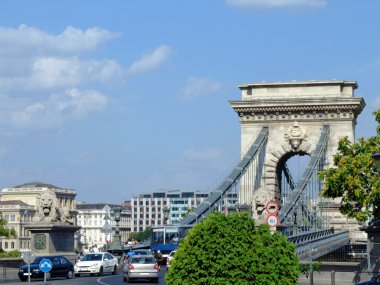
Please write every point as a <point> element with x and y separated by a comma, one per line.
<point>39,241</point>
<point>295,135</point>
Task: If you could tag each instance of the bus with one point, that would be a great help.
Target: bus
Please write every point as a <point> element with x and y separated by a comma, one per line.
<point>167,238</point>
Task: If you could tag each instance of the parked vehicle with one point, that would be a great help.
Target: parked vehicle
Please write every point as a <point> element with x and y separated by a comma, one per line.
<point>169,259</point>
<point>374,280</point>
<point>62,267</point>
<point>96,263</point>
<point>141,267</point>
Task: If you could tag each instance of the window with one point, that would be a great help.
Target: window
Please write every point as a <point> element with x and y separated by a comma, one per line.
<point>147,216</point>
<point>6,244</point>
<point>63,260</point>
<point>13,218</point>
<point>147,203</point>
<point>12,244</point>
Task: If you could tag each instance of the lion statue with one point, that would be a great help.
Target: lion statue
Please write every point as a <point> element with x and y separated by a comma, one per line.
<point>47,207</point>
<point>260,198</point>
<point>48,211</point>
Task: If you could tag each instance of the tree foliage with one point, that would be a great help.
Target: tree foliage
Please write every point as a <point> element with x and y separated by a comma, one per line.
<point>354,177</point>
<point>141,236</point>
<point>4,231</point>
<point>231,250</point>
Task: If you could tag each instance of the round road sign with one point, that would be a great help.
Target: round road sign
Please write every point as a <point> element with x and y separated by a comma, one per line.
<point>272,207</point>
<point>46,265</point>
<point>27,256</point>
<point>272,220</point>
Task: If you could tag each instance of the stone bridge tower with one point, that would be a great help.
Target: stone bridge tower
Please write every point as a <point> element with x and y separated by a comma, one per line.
<point>295,113</point>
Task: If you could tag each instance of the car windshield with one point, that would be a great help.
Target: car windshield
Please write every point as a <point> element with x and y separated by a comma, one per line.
<point>143,260</point>
<point>142,252</point>
<point>92,257</point>
<point>37,260</point>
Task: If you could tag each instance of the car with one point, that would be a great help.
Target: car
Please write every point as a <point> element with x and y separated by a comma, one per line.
<point>141,267</point>
<point>62,267</point>
<point>128,254</point>
<point>169,259</point>
<point>96,263</point>
<point>373,281</point>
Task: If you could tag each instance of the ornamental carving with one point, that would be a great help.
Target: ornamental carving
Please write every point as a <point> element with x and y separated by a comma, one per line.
<point>48,210</point>
<point>295,135</point>
<point>39,241</point>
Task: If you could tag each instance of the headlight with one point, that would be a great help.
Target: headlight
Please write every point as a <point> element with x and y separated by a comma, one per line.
<point>75,266</point>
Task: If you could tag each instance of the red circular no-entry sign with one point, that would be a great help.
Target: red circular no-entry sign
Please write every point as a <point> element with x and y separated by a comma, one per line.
<point>272,207</point>
<point>272,220</point>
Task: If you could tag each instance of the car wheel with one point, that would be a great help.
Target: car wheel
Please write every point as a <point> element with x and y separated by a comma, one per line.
<point>69,274</point>
<point>77,274</point>
<point>114,272</point>
<point>100,271</point>
<point>23,279</point>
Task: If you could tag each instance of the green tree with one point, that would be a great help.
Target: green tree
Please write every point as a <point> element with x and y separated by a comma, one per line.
<point>231,250</point>
<point>141,236</point>
<point>354,179</point>
<point>4,231</point>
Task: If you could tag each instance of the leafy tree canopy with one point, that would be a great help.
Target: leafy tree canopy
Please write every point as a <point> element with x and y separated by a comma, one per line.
<point>4,231</point>
<point>354,178</point>
<point>141,236</point>
<point>231,250</point>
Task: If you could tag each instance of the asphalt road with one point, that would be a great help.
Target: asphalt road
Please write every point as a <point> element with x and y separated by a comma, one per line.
<point>106,279</point>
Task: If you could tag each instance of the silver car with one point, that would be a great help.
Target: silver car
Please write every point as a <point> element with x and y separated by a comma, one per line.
<point>141,267</point>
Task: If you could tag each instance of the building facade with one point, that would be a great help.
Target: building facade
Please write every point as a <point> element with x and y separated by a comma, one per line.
<point>98,224</point>
<point>18,207</point>
<point>147,209</point>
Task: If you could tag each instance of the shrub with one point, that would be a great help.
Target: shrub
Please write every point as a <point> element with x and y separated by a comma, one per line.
<point>231,250</point>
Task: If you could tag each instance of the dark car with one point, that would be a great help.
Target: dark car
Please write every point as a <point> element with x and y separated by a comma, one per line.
<point>373,281</point>
<point>62,267</point>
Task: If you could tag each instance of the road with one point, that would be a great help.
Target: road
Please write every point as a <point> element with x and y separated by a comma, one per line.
<point>93,280</point>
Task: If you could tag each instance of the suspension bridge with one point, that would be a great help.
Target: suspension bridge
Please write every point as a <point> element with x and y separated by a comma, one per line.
<point>280,123</point>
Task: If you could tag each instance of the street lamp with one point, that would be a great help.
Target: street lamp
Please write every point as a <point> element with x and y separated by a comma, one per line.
<point>166,212</point>
<point>116,240</point>
<point>376,159</point>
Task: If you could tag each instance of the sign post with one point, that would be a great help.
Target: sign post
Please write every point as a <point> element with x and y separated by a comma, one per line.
<point>272,209</point>
<point>45,265</point>
<point>28,258</point>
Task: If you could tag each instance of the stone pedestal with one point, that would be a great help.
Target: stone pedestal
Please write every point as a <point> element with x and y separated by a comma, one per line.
<point>52,239</point>
<point>373,247</point>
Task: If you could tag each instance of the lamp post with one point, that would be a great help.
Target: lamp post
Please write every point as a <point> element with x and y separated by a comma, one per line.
<point>376,159</point>
<point>166,212</point>
<point>116,240</point>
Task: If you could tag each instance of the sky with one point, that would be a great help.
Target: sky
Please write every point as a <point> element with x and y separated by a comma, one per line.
<point>119,97</point>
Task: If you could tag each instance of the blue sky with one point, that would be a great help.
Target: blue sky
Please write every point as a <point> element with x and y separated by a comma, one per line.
<point>114,98</point>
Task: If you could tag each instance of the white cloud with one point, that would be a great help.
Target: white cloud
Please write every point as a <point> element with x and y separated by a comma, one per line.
<point>277,3</point>
<point>196,87</point>
<point>34,41</point>
<point>58,109</point>
<point>151,60</point>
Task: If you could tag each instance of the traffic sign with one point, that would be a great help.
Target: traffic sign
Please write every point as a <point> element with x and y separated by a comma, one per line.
<point>272,207</point>
<point>272,220</point>
<point>45,265</point>
<point>27,256</point>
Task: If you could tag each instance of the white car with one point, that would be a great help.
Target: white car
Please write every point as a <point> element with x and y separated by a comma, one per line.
<point>96,263</point>
<point>169,259</point>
